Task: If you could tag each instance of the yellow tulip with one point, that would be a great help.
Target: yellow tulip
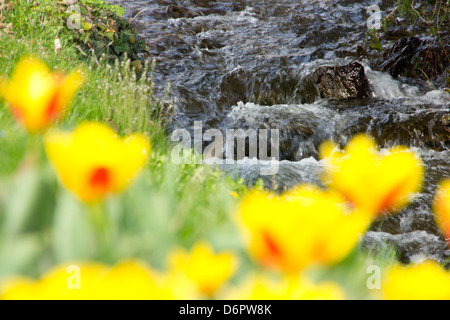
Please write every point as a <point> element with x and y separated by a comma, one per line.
<point>305,226</point>
<point>36,95</point>
<point>87,281</point>
<point>208,270</point>
<point>93,161</point>
<point>425,281</point>
<point>287,288</point>
<point>442,208</point>
<point>369,180</point>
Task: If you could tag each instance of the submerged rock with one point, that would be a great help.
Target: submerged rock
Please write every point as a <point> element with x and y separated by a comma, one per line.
<point>414,122</point>
<point>302,128</point>
<point>347,81</point>
<point>288,174</point>
<point>409,246</point>
<point>445,121</point>
<point>176,12</point>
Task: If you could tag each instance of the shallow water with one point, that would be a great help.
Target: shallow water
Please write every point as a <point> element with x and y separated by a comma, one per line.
<point>245,64</point>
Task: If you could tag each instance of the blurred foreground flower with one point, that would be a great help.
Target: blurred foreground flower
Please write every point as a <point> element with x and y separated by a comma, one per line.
<point>93,161</point>
<point>286,288</point>
<point>305,226</point>
<point>208,270</point>
<point>371,181</point>
<point>126,280</point>
<point>36,95</point>
<point>442,208</point>
<point>425,281</point>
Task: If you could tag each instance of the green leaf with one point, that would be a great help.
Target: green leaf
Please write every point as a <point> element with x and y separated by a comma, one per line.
<point>86,26</point>
<point>118,10</point>
<point>72,236</point>
<point>121,46</point>
<point>432,30</point>
<point>31,204</point>
<point>375,44</point>
<point>109,35</point>
<point>18,255</point>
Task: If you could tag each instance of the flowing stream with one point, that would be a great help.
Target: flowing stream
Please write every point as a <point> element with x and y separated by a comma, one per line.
<point>246,64</point>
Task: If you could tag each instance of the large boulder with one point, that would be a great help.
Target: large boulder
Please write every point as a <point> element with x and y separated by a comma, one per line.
<point>348,81</point>
<point>283,83</point>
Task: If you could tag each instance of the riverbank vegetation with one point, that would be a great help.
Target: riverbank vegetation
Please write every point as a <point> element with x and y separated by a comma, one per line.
<point>91,205</point>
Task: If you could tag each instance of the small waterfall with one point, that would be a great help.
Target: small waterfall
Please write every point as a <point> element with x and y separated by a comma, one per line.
<point>383,85</point>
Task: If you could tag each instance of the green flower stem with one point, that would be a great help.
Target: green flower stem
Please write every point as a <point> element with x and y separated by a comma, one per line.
<point>36,153</point>
<point>101,226</point>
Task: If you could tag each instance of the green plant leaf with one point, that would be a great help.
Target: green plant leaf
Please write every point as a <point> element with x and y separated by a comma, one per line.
<point>31,204</point>
<point>18,255</point>
<point>72,234</point>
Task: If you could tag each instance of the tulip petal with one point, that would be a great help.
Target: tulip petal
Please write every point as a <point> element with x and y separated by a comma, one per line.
<point>442,208</point>
<point>93,161</point>
<point>36,95</point>
<point>425,281</point>
<point>208,270</point>
<point>302,227</point>
<point>371,181</point>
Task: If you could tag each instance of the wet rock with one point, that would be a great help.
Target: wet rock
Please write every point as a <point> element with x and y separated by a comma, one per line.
<point>389,224</point>
<point>404,121</point>
<point>409,246</point>
<point>422,130</point>
<point>282,81</point>
<point>347,81</point>
<point>218,8</point>
<point>438,168</point>
<point>413,57</point>
<point>419,217</point>
<point>199,8</point>
<point>288,173</point>
<point>276,85</point>
<point>302,128</point>
<point>177,12</point>
<point>398,58</point>
<point>211,40</point>
<point>445,121</point>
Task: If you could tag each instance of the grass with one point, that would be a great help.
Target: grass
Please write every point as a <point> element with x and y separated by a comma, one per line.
<point>111,94</point>
<point>197,199</point>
